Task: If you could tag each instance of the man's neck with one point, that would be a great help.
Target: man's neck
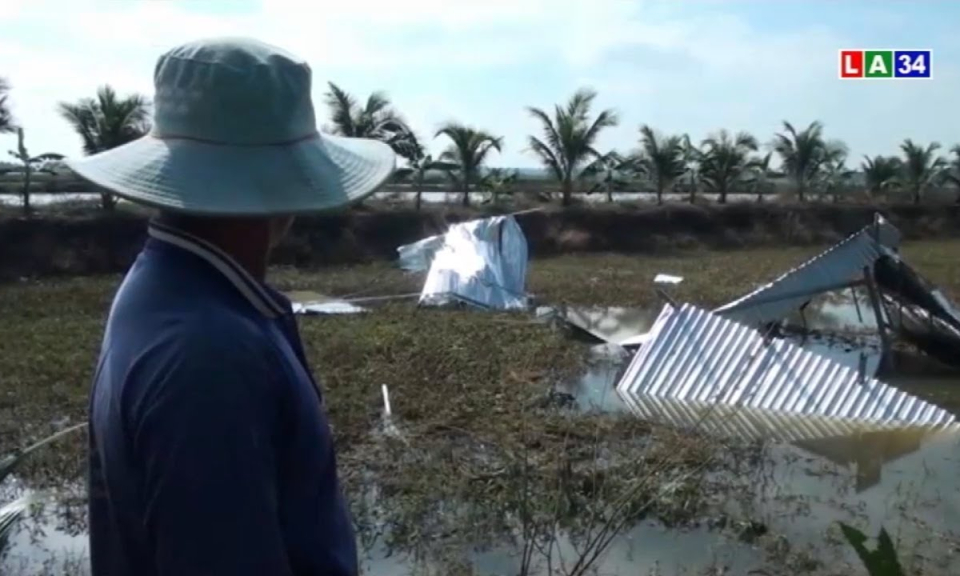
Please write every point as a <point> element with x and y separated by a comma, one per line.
<point>244,240</point>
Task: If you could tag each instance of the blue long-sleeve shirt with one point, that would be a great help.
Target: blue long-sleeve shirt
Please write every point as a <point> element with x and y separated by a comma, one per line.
<point>210,452</point>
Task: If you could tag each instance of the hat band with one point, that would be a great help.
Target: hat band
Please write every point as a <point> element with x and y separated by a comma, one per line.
<point>161,136</point>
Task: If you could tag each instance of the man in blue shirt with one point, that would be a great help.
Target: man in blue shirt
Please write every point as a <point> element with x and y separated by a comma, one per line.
<point>210,451</point>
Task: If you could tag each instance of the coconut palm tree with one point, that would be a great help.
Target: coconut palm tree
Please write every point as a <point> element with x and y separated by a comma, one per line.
<point>419,163</point>
<point>498,182</point>
<point>29,165</point>
<point>468,150</point>
<point>6,117</point>
<point>692,159</point>
<point>835,179</point>
<point>612,172</point>
<point>107,121</point>
<point>952,173</point>
<point>921,167</point>
<point>881,173</point>
<point>727,161</point>
<point>661,159</point>
<point>376,119</point>
<point>760,176</point>
<point>568,138</point>
<point>804,154</point>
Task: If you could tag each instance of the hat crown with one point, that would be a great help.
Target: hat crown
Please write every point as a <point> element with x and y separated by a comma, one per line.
<point>233,91</point>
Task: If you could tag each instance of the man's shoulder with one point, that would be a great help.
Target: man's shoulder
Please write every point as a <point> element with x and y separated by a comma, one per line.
<point>218,331</point>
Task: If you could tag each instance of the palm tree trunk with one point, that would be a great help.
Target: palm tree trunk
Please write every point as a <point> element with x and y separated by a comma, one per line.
<point>26,189</point>
<point>466,191</point>
<point>418,191</point>
<point>566,189</point>
<point>108,201</point>
<point>609,192</point>
<point>800,191</point>
<point>916,196</point>
<point>723,194</point>
<point>659,192</point>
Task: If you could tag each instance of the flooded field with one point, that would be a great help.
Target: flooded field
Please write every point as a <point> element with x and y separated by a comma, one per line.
<point>510,450</point>
<point>775,504</point>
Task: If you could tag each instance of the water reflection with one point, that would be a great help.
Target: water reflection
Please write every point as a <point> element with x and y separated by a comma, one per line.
<point>811,472</point>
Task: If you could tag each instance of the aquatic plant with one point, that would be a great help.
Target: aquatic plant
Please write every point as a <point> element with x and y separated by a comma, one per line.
<point>11,512</point>
<point>881,561</point>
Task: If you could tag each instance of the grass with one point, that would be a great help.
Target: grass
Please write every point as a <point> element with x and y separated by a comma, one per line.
<point>462,386</point>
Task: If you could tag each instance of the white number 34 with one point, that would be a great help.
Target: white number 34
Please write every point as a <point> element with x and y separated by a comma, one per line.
<point>908,65</point>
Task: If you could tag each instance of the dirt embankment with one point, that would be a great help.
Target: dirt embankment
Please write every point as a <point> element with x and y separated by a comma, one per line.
<point>98,243</point>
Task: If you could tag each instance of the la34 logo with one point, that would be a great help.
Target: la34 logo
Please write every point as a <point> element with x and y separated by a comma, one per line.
<point>886,63</point>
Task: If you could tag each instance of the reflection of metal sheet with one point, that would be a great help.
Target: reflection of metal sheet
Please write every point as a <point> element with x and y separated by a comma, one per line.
<point>481,263</point>
<point>695,355</point>
<point>612,324</point>
<point>831,270</point>
<point>749,423</point>
<point>866,445</point>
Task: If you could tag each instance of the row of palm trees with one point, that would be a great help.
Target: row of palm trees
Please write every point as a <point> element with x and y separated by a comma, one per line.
<point>566,146</point>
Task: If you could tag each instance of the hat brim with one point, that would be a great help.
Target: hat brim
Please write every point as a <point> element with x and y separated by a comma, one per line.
<point>322,173</point>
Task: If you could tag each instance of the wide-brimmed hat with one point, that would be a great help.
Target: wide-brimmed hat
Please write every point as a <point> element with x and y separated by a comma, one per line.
<point>234,133</point>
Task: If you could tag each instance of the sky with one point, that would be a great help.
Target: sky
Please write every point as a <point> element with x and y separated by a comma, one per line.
<point>681,66</point>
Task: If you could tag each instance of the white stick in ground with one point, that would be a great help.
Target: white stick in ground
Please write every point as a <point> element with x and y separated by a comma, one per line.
<point>386,400</point>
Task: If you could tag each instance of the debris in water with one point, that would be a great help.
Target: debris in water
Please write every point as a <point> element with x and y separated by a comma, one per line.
<point>696,355</point>
<point>904,304</point>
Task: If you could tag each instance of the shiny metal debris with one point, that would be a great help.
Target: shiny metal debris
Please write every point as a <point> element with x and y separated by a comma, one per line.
<point>304,302</point>
<point>696,355</point>
<point>833,269</point>
<point>481,263</point>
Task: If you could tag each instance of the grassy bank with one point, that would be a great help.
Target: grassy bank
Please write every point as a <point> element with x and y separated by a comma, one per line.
<point>83,241</point>
<point>468,391</point>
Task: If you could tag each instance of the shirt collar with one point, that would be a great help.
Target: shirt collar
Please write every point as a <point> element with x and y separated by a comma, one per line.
<point>266,301</point>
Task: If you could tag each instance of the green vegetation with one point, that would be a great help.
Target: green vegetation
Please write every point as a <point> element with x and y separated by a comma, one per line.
<point>568,139</point>
<point>662,159</point>
<point>28,166</point>
<point>469,397</point>
<point>882,561</point>
<point>806,155</point>
<point>810,164</point>
<point>106,122</point>
<point>7,124</point>
<point>468,150</point>
<point>376,119</point>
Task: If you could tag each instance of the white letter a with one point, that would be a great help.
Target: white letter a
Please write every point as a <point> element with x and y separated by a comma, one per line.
<point>877,65</point>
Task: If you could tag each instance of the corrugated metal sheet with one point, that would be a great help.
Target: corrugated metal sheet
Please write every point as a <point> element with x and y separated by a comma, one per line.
<point>417,257</point>
<point>481,263</point>
<point>830,270</point>
<point>695,355</point>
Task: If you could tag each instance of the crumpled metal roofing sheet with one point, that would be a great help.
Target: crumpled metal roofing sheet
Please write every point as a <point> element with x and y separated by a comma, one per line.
<point>480,262</point>
<point>695,355</point>
<point>829,270</point>
<point>416,257</point>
